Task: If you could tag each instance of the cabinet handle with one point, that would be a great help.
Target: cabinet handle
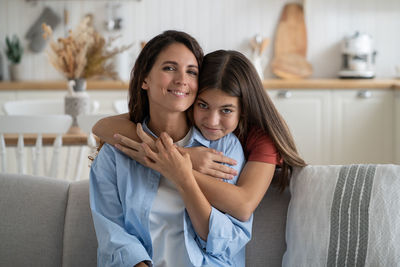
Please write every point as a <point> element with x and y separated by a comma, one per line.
<point>285,94</point>
<point>364,94</point>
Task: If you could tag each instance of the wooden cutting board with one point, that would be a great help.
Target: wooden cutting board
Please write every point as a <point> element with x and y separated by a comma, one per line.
<point>290,47</point>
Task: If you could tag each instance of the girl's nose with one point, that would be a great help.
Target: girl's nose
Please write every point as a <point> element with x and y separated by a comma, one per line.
<point>213,119</point>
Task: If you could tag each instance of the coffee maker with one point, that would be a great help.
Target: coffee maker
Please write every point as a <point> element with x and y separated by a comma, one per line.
<point>358,57</point>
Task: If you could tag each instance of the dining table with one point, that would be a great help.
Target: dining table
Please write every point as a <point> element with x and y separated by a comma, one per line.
<point>68,139</point>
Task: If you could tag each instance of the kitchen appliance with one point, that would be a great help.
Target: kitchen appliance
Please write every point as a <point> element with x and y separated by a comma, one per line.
<point>358,57</point>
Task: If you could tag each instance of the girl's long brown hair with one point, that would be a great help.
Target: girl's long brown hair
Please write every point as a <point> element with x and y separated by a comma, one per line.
<point>233,73</point>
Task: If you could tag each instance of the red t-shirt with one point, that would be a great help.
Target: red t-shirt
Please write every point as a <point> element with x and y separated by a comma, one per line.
<point>259,147</point>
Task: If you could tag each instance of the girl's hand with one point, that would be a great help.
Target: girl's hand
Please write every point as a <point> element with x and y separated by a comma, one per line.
<point>209,161</point>
<point>141,264</point>
<point>132,148</point>
<point>169,161</point>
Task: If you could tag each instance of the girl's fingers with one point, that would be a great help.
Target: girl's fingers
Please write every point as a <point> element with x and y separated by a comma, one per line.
<point>160,146</point>
<point>150,154</point>
<point>132,153</point>
<point>144,136</point>
<point>167,141</point>
<point>127,141</point>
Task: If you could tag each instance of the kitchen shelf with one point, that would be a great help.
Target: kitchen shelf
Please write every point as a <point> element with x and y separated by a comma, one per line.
<point>268,84</point>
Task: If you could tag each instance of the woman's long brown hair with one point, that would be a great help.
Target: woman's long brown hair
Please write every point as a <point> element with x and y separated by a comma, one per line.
<point>233,73</point>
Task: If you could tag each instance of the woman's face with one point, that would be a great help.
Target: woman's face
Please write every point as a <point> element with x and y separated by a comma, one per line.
<point>172,82</point>
<point>216,113</point>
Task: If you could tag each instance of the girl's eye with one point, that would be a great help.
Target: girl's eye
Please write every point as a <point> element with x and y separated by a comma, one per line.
<point>202,105</point>
<point>192,72</point>
<point>226,111</point>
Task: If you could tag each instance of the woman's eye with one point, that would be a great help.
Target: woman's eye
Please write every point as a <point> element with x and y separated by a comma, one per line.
<point>168,68</point>
<point>226,111</point>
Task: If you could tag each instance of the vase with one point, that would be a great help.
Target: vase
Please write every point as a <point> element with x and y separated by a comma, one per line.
<point>256,60</point>
<point>15,72</point>
<point>76,102</point>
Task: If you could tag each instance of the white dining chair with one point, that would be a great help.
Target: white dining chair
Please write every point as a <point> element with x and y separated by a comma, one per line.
<point>41,107</point>
<point>121,106</point>
<point>85,123</point>
<point>39,125</point>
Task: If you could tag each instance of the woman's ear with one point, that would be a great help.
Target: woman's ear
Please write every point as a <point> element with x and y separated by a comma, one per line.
<point>145,86</point>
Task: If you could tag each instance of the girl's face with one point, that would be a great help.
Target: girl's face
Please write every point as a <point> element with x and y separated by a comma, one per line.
<point>172,82</point>
<point>216,113</point>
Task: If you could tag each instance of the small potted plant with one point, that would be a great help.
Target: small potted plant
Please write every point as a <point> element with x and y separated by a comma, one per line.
<point>14,53</point>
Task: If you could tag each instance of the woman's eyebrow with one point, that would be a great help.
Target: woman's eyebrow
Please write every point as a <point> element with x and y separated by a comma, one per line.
<point>176,64</point>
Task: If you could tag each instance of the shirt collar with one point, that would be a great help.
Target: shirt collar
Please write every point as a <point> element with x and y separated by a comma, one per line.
<point>195,139</point>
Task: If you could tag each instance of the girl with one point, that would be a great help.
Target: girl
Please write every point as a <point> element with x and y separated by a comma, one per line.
<point>262,131</point>
<point>142,217</point>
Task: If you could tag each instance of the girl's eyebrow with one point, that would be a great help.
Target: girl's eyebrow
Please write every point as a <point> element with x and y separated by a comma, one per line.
<point>176,64</point>
<point>223,106</point>
<point>229,106</point>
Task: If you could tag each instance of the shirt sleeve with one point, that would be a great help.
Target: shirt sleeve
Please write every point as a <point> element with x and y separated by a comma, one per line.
<point>261,148</point>
<point>116,247</point>
<point>227,236</point>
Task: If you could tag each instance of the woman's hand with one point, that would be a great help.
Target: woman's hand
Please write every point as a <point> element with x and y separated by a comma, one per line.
<point>134,149</point>
<point>169,161</point>
<point>209,161</point>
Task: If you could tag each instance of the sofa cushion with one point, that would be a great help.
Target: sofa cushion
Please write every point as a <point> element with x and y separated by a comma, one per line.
<point>267,244</point>
<point>32,213</point>
<point>344,216</point>
<point>80,243</point>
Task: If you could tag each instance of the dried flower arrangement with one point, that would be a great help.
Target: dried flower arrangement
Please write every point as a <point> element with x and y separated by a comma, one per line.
<point>84,53</point>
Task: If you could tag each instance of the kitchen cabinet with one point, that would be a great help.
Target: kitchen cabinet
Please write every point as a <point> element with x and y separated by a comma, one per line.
<point>362,126</point>
<point>335,126</point>
<point>307,113</point>
<point>397,126</point>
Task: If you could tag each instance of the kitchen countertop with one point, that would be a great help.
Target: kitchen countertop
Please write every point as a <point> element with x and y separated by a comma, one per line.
<point>268,84</point>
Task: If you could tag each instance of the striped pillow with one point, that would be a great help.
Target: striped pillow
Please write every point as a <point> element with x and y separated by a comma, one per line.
<point>344,216</point>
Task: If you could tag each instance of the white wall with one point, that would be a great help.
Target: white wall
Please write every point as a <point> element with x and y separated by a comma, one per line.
<point>226,24</point>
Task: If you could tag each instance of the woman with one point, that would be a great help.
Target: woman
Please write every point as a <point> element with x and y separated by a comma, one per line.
<point>141,217</point>
<point>262,131</point>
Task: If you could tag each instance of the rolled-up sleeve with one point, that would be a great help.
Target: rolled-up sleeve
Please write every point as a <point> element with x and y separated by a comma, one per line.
<point>227,236</point>
<point>116,247</point>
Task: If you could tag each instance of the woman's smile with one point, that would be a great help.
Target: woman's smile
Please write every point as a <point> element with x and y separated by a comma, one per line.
<point>178,93</point>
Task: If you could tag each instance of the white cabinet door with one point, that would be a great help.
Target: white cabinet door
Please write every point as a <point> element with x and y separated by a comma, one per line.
<point>397,126</point>
<point>4,97</point>
<point>362,126</point>
<point>307,112</point>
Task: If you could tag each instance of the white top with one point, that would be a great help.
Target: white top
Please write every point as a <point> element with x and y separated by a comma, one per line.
<point>166,223</point>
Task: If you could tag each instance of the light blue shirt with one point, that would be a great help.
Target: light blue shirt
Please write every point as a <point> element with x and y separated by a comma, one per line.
<point>121,195</point>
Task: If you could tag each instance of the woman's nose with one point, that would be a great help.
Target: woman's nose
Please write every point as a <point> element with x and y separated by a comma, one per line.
<point>180,78</point>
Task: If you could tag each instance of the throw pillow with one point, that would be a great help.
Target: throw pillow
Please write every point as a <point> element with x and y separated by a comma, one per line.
<point>344,216</point>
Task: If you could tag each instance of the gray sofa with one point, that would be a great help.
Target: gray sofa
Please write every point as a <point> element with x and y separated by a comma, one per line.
<point>47,222</point>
